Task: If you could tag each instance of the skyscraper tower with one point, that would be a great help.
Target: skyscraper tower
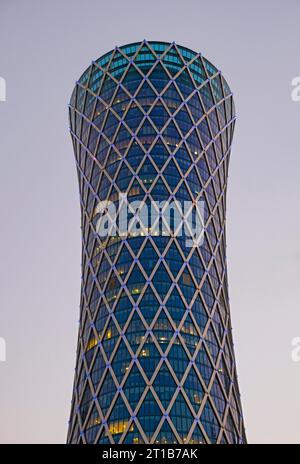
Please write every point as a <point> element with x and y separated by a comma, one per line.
<point>155,360</point>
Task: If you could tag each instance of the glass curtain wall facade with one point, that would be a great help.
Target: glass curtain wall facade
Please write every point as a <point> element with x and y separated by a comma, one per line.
<point>155,360</point>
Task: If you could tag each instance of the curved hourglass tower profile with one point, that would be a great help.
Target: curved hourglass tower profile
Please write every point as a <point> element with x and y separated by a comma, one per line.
<point>155,360</point>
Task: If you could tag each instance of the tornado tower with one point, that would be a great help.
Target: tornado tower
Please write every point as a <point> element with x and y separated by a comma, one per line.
<point>155,360</point>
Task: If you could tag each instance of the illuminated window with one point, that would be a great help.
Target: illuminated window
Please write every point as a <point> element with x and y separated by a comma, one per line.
<point>92,343</point>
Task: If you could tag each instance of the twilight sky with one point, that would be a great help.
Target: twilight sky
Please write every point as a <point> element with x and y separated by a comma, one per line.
<point>44,48</point>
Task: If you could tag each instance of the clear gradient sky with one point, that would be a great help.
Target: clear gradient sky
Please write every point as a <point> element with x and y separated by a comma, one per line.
<point>44,48</point>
